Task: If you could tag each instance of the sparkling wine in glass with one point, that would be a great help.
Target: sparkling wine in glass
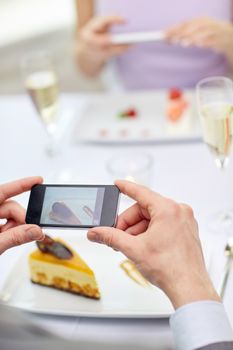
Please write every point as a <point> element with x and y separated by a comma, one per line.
<point>215,105</point>
<point>217,120</point>
<point>41,82</point>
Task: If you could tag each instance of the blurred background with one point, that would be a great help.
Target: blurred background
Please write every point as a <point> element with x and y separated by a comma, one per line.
<point>28,25</point>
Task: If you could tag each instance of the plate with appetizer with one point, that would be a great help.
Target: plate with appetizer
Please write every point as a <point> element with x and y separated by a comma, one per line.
<point>141,117</point>
<point>73,277</point>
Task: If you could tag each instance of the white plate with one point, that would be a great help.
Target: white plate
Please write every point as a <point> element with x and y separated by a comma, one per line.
<point>137,37</point>
<point>121,297</point>
<point>99,122</point>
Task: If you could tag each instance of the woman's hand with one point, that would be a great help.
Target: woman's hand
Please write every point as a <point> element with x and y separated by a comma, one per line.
<point>93,45</point>
<point>161,238</point>
<point>205,32</point>
<point>14,231</point>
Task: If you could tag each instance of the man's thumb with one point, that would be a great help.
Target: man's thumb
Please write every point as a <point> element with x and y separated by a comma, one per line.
<point>114,238</point>
<point>19,235</point>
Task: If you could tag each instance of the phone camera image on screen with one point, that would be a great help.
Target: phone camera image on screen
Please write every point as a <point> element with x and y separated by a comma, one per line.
<point>74,206</point>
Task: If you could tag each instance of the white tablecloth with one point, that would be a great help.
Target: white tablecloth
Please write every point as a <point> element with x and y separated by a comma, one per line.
<point>185,172</point>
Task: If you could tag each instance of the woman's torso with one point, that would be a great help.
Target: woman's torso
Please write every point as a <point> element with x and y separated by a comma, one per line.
<point>160,65</point>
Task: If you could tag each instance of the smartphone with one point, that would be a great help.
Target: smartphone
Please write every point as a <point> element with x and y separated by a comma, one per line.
<point>137,37</point>
<point>73,206</point>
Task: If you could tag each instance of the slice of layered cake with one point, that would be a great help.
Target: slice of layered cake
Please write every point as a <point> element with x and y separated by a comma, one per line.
<point>55,264</point>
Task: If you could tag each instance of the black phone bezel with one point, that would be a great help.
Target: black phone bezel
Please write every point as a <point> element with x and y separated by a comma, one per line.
<point>108,214</point>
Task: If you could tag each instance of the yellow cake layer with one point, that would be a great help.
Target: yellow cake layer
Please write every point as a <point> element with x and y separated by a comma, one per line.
<point>72,275</point>
<point>75,263</point>
<point>64,278</point>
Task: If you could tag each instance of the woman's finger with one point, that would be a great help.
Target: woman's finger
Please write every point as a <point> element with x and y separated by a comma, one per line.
<point>103,23</point>
<point>116,50</point>
<point>189,29</point>
<point>96,41</point>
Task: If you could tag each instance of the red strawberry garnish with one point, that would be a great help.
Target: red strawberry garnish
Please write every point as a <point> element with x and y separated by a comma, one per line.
<point>175,94</point>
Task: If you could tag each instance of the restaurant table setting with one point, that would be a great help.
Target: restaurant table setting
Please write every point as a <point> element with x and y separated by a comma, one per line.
<point>99,138</point>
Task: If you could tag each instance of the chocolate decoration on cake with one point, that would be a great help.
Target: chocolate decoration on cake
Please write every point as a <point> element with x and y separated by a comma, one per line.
<point>57,249</point>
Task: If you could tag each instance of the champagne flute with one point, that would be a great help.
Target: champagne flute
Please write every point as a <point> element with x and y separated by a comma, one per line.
<point>41,82</point>
<point>215,105</point>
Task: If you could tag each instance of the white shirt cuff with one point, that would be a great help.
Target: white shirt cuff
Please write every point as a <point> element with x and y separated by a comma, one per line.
<point>199,324</point>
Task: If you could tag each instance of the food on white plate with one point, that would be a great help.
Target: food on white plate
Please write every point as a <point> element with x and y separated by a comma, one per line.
<point>177,105</point>
<point>123,133</point>
<point>145,133</point>
<point>55,264</point>
<point>104,133</point>
<point>132,272</point>
<point>129,113</point>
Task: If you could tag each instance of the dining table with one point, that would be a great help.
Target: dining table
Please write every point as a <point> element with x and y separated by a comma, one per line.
<point>184,171</point>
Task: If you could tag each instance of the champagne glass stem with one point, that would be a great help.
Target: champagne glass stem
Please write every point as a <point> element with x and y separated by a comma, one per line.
<point>52,149</point>
<point>222,163</point>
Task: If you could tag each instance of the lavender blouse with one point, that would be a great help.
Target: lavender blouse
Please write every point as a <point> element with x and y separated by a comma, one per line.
<point>163,65</point>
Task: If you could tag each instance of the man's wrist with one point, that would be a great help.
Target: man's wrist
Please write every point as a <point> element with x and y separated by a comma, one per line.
<point>89,64</point>
<point>190,291</point>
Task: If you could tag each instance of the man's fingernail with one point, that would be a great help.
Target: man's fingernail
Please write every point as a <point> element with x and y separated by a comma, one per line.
<point>35,235</point>
<point>94,237</point>
<point>42,237</point>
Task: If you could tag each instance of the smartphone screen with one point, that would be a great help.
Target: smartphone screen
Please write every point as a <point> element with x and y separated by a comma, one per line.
<point>72,206</point>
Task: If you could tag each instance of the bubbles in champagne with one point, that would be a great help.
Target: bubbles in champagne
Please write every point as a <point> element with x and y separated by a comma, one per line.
<point>217,120</point>
<point>43,89</point>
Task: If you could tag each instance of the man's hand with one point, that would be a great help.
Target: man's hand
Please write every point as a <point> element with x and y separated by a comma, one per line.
<point>14,231</point>
<point>161,238</point>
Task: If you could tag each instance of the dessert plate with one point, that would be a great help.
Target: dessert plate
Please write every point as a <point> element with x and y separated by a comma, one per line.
<point>101,120</point>
<point>121,296</point>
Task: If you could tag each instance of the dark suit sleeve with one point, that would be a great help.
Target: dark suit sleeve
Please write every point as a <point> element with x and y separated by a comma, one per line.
<point>218,346</point>
<point>17,332</point>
